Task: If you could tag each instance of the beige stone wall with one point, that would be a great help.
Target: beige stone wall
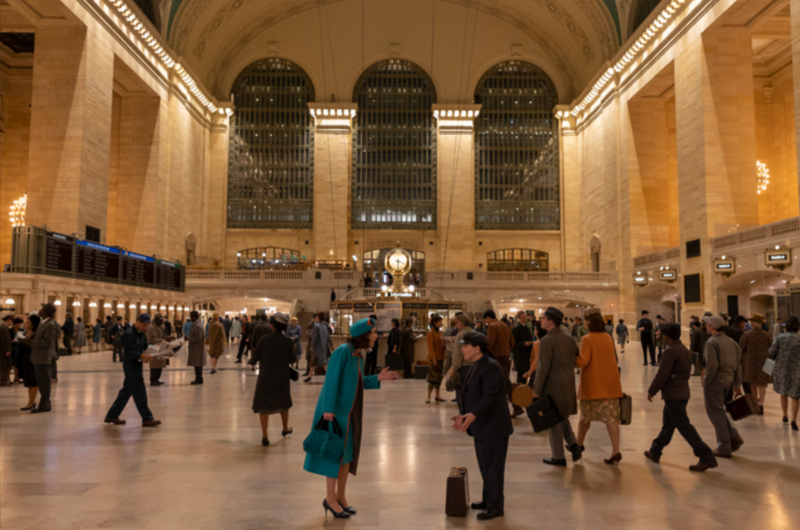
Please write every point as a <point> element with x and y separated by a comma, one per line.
<point>331,193</point>
<point>456,200</point>
<point>575,246</point>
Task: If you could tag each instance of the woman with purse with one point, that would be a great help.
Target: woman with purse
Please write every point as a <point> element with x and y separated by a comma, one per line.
<point>600,387</point>
<point>275,353</point>
<point>341,404</point>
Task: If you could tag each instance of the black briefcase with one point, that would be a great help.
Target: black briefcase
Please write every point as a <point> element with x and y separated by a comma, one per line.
<point>420,371</point>
<point>394,361</point>
<point>544,414</point>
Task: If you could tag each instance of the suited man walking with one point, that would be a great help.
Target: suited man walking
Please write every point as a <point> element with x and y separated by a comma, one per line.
<point>555,376</point>
<point>44,351</point>
<point>483,414</point>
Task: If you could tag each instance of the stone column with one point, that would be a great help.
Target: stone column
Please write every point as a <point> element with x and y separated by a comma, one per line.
<point>215,216</point>
<point>573,252</point>
<point>73,72</point>
<point>455,186</point>
<point>332,148</point>
<point>715,148</point>
<point>794,8</point>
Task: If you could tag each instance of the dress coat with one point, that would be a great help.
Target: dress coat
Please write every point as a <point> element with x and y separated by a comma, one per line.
<point>555,370</point>
<point>755,350</point>
<point>155,334</point>
<point>342,394</point>
<point>197,346</point>
<point>407,348</point>
<point>273,393</point>
<point>216,339</point>
<point>44,342</point>
<point>485,397</point>
<point>318,345</point>
<point>785,351</point>
<point>522,353</point>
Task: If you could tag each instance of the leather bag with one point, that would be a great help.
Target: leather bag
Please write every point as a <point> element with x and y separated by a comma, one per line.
<point>625,409</point>
<point>325,440</point>
<point>742,407</point>
<point>294,375</point>
<point>544,414</point>
<point>457,498</point>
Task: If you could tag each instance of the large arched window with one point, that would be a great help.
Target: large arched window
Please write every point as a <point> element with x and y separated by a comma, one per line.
<point>639,12</point>
<point>394,148</point>
<point>516,150</point>
<point>271,154</point>
<point>517,259</point>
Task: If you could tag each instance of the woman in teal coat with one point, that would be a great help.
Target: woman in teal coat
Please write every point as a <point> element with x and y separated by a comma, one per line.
<point>342,398</point>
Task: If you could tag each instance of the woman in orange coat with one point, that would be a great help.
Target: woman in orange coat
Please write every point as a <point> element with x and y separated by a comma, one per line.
<point>600,387</point>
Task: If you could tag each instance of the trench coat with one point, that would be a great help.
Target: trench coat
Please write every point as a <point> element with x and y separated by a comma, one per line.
<point>216,339</point>
<point>339,396</point>
<point>273,393</point>
<point>155,334</point>
<point>318,345</point>
<point>555,370</point>
<point>407,348</point>
<point>197,347</point>
<point>755,350</point>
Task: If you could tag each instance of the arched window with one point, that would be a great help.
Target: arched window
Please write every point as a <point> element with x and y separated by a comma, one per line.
<point>517,259</point>
<point>639,12</point>
<point>271,153</point>
<point>516,150</point>
<point>394,148</point>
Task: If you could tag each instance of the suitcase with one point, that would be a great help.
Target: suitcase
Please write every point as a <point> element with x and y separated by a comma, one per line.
<point>394,361</point>
<point>544,414</point>
<point>742,407</point>
<point>420,371</point>
<point>625,409</point>
<point>457,499</point>
<point>62,352</point>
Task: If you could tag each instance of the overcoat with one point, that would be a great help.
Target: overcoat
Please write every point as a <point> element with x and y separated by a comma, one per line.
<point>197,346</point>
<point>155,334</point>
<point>318,345</point>
<point>275,352</point>
<point>407,348</point>
<point>785,351</point>
<point>555,370</point>
<point>755,350</point>
<point>342,386</point>
<point>216,339</point>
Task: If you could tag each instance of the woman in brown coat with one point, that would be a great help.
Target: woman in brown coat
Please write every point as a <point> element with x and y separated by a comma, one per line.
<point>435,357</point>
<point>216,341</point>
<point>755,345</point>
<point>600,387</point>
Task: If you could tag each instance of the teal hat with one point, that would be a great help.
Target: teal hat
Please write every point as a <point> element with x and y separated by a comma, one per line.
<point>362,327</point>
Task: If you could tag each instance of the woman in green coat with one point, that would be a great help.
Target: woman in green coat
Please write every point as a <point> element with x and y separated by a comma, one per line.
<point>342,398</point>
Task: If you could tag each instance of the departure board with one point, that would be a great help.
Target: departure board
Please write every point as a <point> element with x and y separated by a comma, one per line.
<point>93,259</point>
<point>167,275</point>
<point>137,268</point>
<point>58,252</point>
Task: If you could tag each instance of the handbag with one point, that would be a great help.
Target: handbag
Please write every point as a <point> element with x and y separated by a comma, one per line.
<point>769,366</point>
<point>294,375</point>
<point>325,440</point>
<point>625,409</point>
<point>544,414</point>
<point>742,407</point>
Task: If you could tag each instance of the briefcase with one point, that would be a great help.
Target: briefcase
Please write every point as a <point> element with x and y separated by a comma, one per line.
<point>394,361</point>
<point>625,409</point>
<point>457,499</point>
<point>420,371</point>
<point>742,407</point>
<point>544,414</point>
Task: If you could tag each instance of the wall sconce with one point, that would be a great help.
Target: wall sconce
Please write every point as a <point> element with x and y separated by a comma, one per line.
<point>93,304</point>
<point>57,302</point>
<point>132,306</point>
<point>154,306</point>
<point>120,306</point>
<point>76,303</point>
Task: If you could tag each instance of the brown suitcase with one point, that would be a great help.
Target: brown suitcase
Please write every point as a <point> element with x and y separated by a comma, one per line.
<point>457,502</point>
<point>742,407</point>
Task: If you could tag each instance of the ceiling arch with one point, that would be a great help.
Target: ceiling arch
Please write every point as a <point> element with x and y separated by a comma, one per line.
<point>574,37</point>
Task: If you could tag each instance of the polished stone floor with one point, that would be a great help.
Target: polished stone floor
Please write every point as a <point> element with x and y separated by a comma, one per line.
<point>204,468</point>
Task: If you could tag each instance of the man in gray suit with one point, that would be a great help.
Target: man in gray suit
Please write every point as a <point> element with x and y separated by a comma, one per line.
<point>44,350</point>
<point>555,376</point>
<point>723,373</point>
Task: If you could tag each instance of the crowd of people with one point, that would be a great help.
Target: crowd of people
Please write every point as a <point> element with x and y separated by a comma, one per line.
<point>732,358</point>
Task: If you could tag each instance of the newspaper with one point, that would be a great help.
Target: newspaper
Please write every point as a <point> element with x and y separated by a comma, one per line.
<point>165,349</point>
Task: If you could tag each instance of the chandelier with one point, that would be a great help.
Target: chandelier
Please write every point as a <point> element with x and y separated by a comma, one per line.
<point>763,177</point>
<point>17,214</point>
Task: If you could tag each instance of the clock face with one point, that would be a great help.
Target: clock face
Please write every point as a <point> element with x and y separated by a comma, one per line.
<point>398,261</point>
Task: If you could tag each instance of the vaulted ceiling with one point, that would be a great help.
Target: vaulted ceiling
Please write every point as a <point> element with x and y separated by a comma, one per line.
<point>570,39</point>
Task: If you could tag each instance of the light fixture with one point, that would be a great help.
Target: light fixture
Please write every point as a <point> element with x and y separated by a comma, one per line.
<point>154,306</point>
<point>132,306</point>
<point>355,258</point>
<point>10,301</point>
<point>92,304</point>
<point>57,302</point>
<point>384,288</point>
<point>172,308</point>
<point>120,306</point>
<point>411,288</point>
<point>186,309</point>
<point>163,308</point>
<point>76,303</point>
<point>514,310</point>
<point>107,304</point>
<point>18,209</point>
<point>763,177</point>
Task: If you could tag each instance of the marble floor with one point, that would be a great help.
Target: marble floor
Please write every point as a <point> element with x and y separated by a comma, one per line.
<point>204,468</point>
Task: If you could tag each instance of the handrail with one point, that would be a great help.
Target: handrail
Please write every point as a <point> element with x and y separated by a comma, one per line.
<point>769,231</point>
<point>673,253</point>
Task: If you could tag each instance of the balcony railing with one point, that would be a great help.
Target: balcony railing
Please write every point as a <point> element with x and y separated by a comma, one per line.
<point>784,228</point>
<point>657,257</point>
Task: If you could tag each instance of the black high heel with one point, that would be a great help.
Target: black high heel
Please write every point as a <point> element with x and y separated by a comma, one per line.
<point>347,509</point>
<point>286,433</point>
<point>785,419</point>
<point>614,460</point>
<point>794,425</point>
<point>265,442</point>
<point>339,515</point>
<point>307,379</point>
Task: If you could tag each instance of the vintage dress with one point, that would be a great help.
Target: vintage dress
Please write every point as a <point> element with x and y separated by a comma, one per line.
<point>273,393</point>
<point>80,335</point>
<point>755,350</point>
<point>785,351</point>
<point>342,394</point>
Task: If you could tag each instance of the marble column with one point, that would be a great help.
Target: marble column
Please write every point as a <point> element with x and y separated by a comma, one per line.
<point>455,188</point>
<point>70,129</point>
<point>215,216</point>
<point>715,149</point>
<point>794,8</point>
<point>332,151</point>
<point>573,252</point>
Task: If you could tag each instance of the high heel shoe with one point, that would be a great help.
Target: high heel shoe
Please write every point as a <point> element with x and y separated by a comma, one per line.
<point>794,425</point>
<point>785,419</point>
<point>347,509</point>
<point>265,442</point>
<point>614,460</point>
<point>339,515</point>
<point>286,433</point>
<point>307,379</point>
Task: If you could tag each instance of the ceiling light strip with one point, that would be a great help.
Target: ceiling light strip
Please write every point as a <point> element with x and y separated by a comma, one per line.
<point>656,27</point>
